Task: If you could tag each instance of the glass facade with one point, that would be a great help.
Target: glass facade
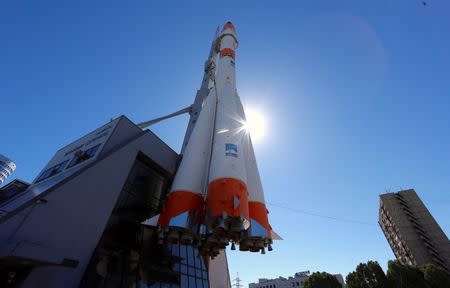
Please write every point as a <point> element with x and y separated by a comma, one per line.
<point>129,254</point>
<point>190,266</point>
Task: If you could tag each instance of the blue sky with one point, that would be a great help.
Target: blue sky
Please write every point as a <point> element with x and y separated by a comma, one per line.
<point>356,96</point>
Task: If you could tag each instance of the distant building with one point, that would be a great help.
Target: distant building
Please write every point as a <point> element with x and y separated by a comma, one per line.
<point>413,234</point>
<point>297,281</point>
<point>7,167</point>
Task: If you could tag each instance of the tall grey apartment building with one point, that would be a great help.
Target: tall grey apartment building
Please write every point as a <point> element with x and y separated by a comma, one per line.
<point>412,232</point>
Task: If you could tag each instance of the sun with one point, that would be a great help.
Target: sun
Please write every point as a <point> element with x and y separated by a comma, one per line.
<point>255,124</point>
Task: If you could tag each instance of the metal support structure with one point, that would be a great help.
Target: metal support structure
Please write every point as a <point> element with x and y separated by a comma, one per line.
<point>156,120</point>
<point>202,93</point>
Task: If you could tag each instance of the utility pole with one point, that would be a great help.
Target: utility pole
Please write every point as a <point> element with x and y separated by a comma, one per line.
<point>238,282</point>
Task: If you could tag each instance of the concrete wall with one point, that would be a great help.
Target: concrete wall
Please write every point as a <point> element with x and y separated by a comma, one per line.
<point>219,276</point>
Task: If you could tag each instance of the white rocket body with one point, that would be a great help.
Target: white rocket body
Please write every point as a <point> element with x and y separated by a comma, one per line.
<point>190,175</point>
<point>217,183</point>
<point>227,199</point>
<point>228,122</point>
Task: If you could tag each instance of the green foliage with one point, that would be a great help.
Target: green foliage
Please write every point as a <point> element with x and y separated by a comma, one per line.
<point>322,280</point>
<point>367,275</point>
<point>406,276</point>
<point>370,275</point>
<point>435,276</point>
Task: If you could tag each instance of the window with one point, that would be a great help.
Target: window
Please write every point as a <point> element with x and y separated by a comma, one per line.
<point>192,270</point>
<point>5,171</point>
<point>82,156</point>
<point>183,254</point>
<point>52,171</point>
<point>192,282</point>
<point>184,281</point>
<point>190,256</point>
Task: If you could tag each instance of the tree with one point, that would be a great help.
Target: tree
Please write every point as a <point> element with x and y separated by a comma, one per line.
<point>322,280</point>
<point>435,276</point>
<point>405,276</point>
<point>367,275</point>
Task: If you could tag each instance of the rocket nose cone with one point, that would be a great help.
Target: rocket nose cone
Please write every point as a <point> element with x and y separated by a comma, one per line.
<point>229,25</point>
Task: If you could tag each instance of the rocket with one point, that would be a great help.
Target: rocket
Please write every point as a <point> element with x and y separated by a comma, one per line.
<point>217,197</point>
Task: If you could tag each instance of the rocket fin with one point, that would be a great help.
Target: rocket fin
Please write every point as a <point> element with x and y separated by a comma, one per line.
<point>275,236</point>
<point>153,221</point>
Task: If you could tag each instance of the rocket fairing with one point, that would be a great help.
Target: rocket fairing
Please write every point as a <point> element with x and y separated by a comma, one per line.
<point>216,196</point>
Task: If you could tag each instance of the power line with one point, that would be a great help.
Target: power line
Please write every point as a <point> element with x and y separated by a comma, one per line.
<point>315,214</point>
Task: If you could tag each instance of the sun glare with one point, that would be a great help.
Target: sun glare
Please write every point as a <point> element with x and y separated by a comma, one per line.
<point>255,124</point>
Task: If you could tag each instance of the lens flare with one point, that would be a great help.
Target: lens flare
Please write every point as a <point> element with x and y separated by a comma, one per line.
<point>255,124</point>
